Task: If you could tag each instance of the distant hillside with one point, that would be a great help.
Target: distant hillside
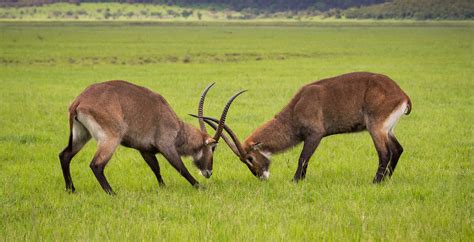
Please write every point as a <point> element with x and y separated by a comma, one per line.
<point>415,9</point>
<point>237,5</point>
<point>223,10</point>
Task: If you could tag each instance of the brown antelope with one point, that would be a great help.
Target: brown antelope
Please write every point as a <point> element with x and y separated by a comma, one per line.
<point>343,104</point>
<point>118,112</point>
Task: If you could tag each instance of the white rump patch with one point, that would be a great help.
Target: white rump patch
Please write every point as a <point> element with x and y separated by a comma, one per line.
<point>79,132</point>
<point>94,128</point>
<point>392,120</point>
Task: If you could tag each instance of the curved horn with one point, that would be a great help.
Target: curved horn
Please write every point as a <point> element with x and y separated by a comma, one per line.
<point>201,106</point>
<point>229,143</point>
<point>224,115</point>
<point>237,145</point>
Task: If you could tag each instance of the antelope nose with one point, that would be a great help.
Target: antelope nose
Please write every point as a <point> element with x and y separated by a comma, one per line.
<point>206,173</point>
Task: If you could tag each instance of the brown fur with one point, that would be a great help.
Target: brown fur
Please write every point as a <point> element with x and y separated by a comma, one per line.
<point>348,103</point>
<point>118,112</point>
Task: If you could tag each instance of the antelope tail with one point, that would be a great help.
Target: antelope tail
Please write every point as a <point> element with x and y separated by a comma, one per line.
<point>408,108</point>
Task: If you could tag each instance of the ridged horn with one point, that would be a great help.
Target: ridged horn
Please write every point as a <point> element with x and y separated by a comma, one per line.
<point>201,107</point>
<point>220,127</point>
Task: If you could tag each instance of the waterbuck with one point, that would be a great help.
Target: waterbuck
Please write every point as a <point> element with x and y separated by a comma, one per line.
<point>343,104</point>
<point>119,112</point>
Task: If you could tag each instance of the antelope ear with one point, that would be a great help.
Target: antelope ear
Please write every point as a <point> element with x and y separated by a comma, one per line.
<point>210,141</point>
<point>256,146</point>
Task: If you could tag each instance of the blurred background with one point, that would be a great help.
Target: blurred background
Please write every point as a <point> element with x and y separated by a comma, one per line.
<point>208,10</point>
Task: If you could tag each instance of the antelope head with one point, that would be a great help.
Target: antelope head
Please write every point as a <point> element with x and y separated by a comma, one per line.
<point>203,158</point>
<point>251,153</point>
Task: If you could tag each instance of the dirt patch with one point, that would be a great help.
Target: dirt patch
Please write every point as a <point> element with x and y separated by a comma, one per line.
<point>150,60</point>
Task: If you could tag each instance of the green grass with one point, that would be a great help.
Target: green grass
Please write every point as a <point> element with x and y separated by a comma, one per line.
<point>44,66</point>
<point>134,12</point>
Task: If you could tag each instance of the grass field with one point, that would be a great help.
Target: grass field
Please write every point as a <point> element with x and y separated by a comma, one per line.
<point>45,65</point>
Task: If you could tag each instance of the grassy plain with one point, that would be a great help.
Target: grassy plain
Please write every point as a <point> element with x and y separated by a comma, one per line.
<point>45,65</point>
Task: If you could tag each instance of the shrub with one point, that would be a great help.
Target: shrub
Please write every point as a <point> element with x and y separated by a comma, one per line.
<point>56,13</point>
<point>156,14</point>
<point>170,12</point>
<point>186,13</point>
<point>107,15</point>
<point>186,59</point>
<point>81,12</point>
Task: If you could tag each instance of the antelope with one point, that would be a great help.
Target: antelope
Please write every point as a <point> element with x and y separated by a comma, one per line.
<point>120,113</point>
<point>343,104</point>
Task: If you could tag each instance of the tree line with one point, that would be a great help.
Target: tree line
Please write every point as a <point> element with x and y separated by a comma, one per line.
<point>415,9</point>
<point>352,9</point>
<point>269,5</point>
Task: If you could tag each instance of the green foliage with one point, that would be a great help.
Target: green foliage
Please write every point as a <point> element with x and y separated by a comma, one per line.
<point>186,13</point>
<point>100,11</point>
<point>273,6</point>
<point>43,66</point>
<point>398,9</point>
<point>415,9</point>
